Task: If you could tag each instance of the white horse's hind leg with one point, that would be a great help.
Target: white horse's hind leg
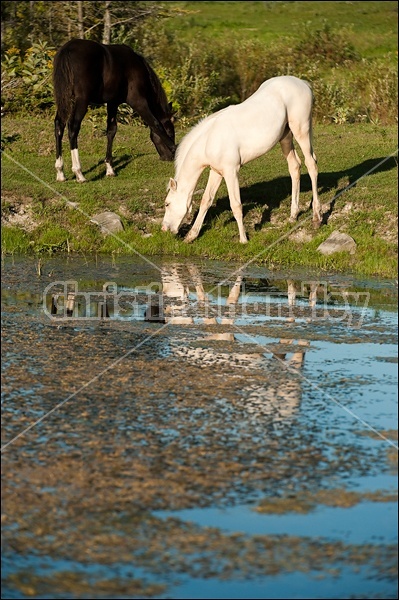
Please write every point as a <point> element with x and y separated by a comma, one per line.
<point>305,143</point>
<point>311,165</point>
<point>76,168</point>
<point>294,167</point>
<point>212,187</point>
<point>233,188</point>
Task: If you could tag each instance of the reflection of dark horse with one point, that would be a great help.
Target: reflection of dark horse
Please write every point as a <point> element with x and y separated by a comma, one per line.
<point>86,72</point>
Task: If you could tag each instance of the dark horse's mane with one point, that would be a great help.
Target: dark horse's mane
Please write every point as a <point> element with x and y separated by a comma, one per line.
<point>156,85</point>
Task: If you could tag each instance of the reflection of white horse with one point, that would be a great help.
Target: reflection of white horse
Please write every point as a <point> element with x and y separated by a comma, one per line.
<point>276,394</point>
<point>174,289</point>
<point>280,396</point>
<point>176,297</point>
<point>278,111</point>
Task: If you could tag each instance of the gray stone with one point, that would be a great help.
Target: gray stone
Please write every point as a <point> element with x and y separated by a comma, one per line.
<point>108,222</point>
<point>337,242</point>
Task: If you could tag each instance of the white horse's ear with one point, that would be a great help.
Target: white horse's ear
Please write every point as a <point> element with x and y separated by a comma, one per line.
<point>172,184</point>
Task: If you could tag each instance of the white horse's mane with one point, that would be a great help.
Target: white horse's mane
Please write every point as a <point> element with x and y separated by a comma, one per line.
<point>188,140</point>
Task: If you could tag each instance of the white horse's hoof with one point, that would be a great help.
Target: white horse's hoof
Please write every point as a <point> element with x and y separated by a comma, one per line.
<point>190,237</point>
<point>317,223</point>
<point>80,178</point>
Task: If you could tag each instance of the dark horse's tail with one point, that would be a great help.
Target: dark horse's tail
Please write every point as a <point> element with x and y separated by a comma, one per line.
<point>63,83</point>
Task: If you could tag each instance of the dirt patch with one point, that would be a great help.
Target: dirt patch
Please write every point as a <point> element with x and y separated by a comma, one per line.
<point>17,212</point>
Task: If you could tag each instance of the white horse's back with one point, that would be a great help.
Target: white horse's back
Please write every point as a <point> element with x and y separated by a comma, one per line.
<point>255,126</point>
<point>243,132</point>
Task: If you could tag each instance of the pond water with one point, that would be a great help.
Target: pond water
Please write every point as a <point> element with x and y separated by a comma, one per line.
<point>180,429</point>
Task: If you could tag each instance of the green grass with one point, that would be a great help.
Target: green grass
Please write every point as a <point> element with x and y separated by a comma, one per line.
<point>38,219</point>
<point>373,26</point>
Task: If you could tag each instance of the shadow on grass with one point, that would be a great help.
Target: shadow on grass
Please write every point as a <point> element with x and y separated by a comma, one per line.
<point>119,164</point>
<point>7,140</point>
<point>271,194</point>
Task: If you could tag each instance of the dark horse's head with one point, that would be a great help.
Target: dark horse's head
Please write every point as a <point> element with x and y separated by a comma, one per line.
<point>162,110</point>
<point>165,150</point>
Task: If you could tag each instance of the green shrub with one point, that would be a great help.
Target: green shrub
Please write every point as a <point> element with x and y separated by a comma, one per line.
<point>200,78</point>
<point>27,80</point>
<point>327,46</point>
<point>380,92</point>
<point>192,93</point>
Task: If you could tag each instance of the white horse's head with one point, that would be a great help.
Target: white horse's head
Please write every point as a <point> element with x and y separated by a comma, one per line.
<point>177,206</point>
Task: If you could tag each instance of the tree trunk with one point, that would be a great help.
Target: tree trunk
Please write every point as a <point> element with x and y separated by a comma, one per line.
<point>107,24</point>
<point>81,31</point>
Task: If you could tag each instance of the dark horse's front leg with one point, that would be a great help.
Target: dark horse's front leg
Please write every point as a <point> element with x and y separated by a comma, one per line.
<point>112,110</point>
<point>59,127</point>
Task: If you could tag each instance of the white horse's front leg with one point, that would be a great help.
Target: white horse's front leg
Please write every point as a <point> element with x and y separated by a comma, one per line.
<point>76,168</point>
<point>233,188</point>
<point>212,186</point>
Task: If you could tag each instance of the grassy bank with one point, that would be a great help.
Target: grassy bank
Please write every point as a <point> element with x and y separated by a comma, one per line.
<point>372,25</point>
<point>37,219</point>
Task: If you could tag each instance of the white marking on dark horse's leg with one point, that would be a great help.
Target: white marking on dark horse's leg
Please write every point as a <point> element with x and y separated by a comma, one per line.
<point>76,168</point>
<point>212,186</point>
<point>74,123</point>
<point>109,170</point>
<point>111,131</point>
<point>294,167</point>
<point>59,166</point>
<point>233,188</point>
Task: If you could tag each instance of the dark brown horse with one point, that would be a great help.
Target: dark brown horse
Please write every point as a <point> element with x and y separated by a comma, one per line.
<point>86,72</point>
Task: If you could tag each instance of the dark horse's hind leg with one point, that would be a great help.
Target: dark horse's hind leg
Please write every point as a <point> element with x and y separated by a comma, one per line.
<point>112,109</point>
<point>59,127</point>
<point>74,123</point>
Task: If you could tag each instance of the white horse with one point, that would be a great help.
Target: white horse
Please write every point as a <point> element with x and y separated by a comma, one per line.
<point>278,111</point>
